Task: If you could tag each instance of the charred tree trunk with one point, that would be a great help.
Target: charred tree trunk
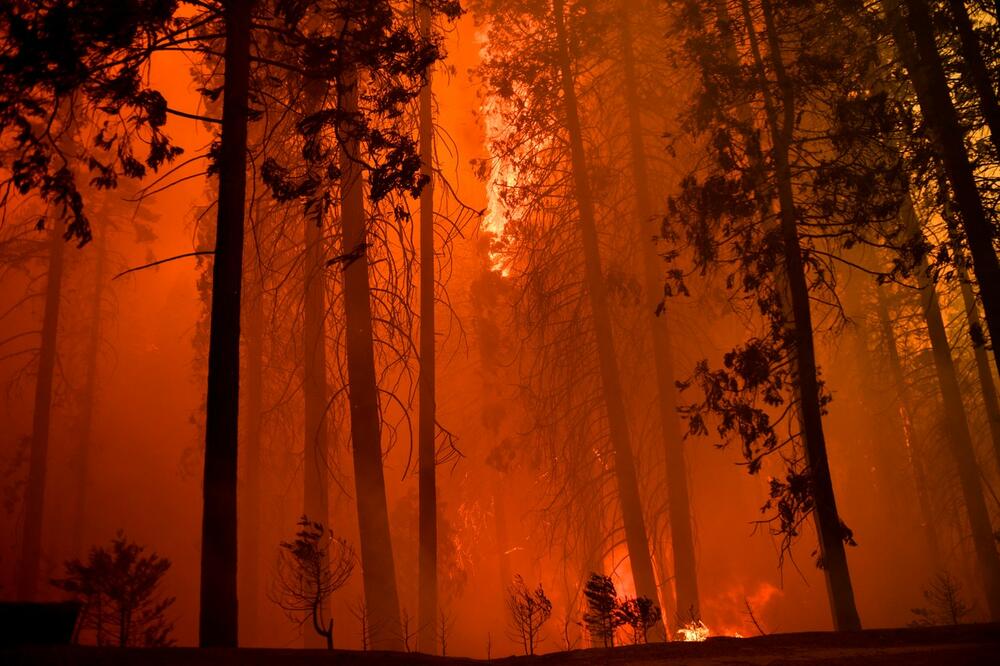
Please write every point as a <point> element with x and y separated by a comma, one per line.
<point>914,39</point>
<point>625,474</point>
<point>219,616</point>
<point>34,501</point>
<point>679,504</point>
<point>906,411</point>
<point>829,527</point>
<point>427,615</point>
<point>250,492</point>
<point>89,397</point>
<point>378,567</point>
<point>973,55</point>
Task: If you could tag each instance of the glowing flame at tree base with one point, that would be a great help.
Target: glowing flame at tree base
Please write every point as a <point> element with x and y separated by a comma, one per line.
<point>697,631</point>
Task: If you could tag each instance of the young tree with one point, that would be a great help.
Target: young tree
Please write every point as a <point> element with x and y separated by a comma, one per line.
<point>946,605</point>
<point>310,569</point>
<point>529,610</point>
<point>639,615</point>
<point>602,616</point>
<point>119,589</point>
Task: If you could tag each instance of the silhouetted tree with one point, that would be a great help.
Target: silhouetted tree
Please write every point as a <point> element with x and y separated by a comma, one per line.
<point>602,616</point>
<point>528,612</point>
<point>639,615</point>
<point>945,603</point>
<point>310,569</point>
<point>119,589</point>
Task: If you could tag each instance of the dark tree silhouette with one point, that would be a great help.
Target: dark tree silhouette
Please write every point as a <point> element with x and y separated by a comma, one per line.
<point>119,590</point>
<point>639,615</point>
<point>310,569</point>
<point>602,616</point>
<point>528,611</point>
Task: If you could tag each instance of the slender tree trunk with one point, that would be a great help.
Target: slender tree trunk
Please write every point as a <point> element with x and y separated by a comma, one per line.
<point>625,474</point>
<point>427,616</point>
<point>914,39</point>
<point>913,458</point>
<point>89,401</point>
<point>828,524</point>
<point>34,501</point>
<point>959,435</point>
<point>378,567</point>
<point>987,386</point>
<point>250,493</point>
<point>972,53</point>
<point>314,385</point>
<point>679,504</point>
<point>219,617</point>
<point>961,448</point>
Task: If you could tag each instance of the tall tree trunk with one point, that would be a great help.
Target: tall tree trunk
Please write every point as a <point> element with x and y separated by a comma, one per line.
<point>962,451</point>
<point>427,616</point>
<point>987,386</point>
<point>679,504</point>
<point>973,55</point>
<point>960,444</point>
<point>34,501</point>
<point>314,386</point>
<point>625,474</point>
<point>250,492</point>
<point>828,524</point>
<point>916,465</point>
<point>89,397</point>
<point>378,567</point>
<point>219,616</point>
<point>914,39</point>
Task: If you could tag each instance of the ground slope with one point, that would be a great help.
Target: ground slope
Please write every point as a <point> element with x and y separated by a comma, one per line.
<point>952,646</point>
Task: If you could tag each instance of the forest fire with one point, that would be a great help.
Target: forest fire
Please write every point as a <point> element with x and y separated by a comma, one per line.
<point>483,328</point>
<point>694,631</point>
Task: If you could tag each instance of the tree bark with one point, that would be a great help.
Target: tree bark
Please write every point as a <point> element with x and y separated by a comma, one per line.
<point>828,524</point>
<point>679,504</point>
<point>34,501</point>
<point>378,567</point>
<point>625,474</point>
<point>219,616</point>
<point>914,39</point>
<point>427,615</point>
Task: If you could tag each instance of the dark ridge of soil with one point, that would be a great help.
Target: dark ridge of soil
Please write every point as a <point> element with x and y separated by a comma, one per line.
<point>951,646</point>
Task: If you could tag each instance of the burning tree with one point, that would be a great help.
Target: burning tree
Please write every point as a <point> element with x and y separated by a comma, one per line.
<point>310,569</point>
<point>119,590</point>
<point>529,611</point>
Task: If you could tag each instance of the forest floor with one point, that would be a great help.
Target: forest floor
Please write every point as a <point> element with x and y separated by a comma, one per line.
<point>953,646</point>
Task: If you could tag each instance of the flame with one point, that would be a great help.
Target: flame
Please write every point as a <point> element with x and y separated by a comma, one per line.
<point>694,631</point>
<point>504,172</point>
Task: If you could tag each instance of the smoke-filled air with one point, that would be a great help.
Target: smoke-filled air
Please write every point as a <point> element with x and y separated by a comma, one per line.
<point>420,331</point>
